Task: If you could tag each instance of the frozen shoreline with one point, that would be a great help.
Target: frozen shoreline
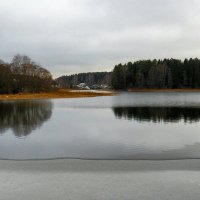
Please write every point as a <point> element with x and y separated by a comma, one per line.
<point>82,165</point>
<point>99,179</point>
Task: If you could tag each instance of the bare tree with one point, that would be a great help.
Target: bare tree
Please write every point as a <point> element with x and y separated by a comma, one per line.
<point>2,62</point>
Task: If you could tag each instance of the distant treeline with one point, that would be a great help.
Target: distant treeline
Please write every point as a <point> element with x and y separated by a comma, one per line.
<point>90,78</point>
<point>23,75</point>
<point>167,73</point>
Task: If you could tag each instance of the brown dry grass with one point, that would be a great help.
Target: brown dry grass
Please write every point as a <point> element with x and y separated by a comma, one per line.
<point>65,93</point>
<point>61,93</point>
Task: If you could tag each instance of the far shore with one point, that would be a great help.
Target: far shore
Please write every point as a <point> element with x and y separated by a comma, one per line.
<point>67,93</point>
<point>60,93</point>
<point>164,90</point>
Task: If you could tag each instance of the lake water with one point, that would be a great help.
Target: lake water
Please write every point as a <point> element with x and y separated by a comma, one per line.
<point>125,126</point>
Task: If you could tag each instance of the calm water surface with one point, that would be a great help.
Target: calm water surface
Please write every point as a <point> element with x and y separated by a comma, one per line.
<point>127,126</point>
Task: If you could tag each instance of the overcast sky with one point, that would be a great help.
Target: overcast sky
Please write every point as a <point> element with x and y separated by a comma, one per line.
<point>69,36</point>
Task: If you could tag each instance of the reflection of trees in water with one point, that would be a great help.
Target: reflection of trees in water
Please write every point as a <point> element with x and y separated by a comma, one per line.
<point>158,114</point>
<point>24,117</point>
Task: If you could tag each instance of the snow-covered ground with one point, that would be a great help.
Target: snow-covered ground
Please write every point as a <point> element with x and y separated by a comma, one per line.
<point>99,180</point>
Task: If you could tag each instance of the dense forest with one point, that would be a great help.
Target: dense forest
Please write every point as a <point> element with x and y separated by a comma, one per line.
<point>90,78</point>
<point>167,73</point>
<point>23,75</point>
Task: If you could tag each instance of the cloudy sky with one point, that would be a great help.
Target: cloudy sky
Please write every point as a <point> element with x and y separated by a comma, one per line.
<point>69,36</point>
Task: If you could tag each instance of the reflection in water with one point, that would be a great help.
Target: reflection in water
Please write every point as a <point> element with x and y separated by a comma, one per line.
<point>88,128</point>
<point>158,114</point>
<point>23,117</point>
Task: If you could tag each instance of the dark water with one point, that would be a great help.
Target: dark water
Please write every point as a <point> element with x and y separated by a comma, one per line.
<point>127,126</point>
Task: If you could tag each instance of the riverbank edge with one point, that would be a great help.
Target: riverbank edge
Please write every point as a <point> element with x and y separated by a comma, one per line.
<point>79,165</point>
<point>60,93</point>
<point>164,90</point>
<point>67,93</point>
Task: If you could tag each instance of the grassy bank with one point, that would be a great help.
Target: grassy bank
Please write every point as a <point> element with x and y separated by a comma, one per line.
<point>61,93</point>
<point>65,93</point>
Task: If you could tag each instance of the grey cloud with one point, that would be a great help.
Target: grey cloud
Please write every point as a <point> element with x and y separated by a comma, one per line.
<point>68,36</point>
